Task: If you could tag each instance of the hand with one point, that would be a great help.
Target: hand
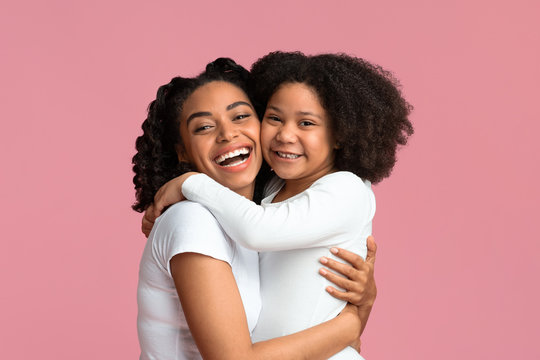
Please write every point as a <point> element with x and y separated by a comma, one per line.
<point>359,282</point>
<point>170,193</point>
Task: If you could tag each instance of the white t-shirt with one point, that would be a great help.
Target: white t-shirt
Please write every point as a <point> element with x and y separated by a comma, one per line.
<point>185,227</point>
<point>292,235</point>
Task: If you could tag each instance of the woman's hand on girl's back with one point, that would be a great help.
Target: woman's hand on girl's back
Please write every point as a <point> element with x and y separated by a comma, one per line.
<point>170,193</point>
<point>359,281</point>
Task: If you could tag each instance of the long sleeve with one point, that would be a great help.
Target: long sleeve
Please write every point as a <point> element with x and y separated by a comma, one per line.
<point>334,206</point>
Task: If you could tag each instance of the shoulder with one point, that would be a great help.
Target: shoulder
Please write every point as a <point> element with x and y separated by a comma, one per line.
<point>188,220</point>
<point>189,227</point>
<point>186,213</point>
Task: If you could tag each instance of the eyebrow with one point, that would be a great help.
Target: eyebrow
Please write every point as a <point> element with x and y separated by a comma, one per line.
<point>303,113</point>
<point>238,103</point>
<point>207,113</point>
<point>308,113</point>
<point>197,114</point>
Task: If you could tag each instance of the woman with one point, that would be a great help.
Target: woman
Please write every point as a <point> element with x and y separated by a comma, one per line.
<point>214,280</point>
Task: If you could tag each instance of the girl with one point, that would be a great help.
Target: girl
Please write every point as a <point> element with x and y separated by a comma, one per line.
<point>188,260</point>
<point>331,127</point>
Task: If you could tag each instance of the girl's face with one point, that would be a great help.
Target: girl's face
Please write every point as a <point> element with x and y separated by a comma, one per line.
<point>220,133</point>
<point>296,138</point>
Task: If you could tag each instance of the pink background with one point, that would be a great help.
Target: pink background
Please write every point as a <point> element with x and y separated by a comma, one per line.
<point>456,223</point>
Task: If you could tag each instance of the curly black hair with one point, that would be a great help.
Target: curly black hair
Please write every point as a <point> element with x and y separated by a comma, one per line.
<point>156,160</point>
<point>368,113</point>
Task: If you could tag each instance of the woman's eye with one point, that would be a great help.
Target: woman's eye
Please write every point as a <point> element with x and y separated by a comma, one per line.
<point>242,116</point>
<point>202,128</point>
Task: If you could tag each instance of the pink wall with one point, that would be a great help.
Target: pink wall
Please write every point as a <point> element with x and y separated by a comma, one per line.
<point>456,223</point>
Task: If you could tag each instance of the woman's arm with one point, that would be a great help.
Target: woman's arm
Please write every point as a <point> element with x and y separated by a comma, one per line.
<point>216,318</point>
<point>339,204</point>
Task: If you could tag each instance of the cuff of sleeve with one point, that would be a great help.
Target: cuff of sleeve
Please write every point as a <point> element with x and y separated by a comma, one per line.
<point>192,184</point>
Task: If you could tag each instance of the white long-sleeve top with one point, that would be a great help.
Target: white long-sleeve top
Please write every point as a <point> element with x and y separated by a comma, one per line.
<point>292,235</point>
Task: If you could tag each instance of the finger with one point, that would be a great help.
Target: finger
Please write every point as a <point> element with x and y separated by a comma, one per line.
<point>147,227</point>
<point>350,257</point>
<point>371,250</point>
<point>341,295</point>
<point>149,213</point>
<point>340,281</point>
<point>344,269</point>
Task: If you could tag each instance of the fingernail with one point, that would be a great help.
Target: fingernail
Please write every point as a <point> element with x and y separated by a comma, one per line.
<point>334,250</point>
<point>323,260</point>
<point>322,271</point>
<point>329,289</point>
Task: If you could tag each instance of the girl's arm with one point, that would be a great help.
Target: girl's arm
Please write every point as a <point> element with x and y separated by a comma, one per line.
<point>215,315</point>
<point>339,204</point>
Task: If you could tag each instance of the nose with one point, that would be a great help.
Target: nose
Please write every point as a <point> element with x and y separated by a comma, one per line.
<point>227,131</point>
<point>286,133</point>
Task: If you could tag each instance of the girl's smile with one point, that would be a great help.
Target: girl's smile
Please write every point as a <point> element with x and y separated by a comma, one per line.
<point>296,138</point>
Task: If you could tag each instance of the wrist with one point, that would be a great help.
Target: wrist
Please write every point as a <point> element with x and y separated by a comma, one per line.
<point>352,322</point>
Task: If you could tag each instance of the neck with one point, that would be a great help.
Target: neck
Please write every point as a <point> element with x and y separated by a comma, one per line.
<point>294,187</point>
<point>246,191</point>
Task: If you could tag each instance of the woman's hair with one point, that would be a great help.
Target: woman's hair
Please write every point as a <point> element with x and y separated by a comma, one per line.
<point>369,116</point>
<point>156,160</point>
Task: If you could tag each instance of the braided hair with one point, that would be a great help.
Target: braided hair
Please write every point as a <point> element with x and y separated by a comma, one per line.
<point>156,160</point>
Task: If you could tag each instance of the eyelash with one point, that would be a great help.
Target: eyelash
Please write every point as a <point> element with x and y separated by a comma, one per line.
<point>273,118</point>
<point>242,116</point>
<point>236,118</point>
<point>304,123</point>
<point>202,128</point>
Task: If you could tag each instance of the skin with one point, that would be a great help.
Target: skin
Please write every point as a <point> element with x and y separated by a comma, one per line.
<point>298,127</point>
<point>296,138</point>
<point>219,118</point>
<point>205,285</point>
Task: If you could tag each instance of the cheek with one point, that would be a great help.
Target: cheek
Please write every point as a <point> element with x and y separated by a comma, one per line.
<point>267,134</point>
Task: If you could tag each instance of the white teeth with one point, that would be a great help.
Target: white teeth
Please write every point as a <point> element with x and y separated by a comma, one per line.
<point>235,163</point>
<point>287,155</point>
<point>222,158</point>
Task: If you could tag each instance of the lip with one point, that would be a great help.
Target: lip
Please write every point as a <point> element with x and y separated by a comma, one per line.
<point>279,158</point>
<point>236,168</point>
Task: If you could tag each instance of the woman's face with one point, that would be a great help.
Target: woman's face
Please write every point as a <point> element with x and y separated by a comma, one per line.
<point>296,137</point>
<point>220,133</point>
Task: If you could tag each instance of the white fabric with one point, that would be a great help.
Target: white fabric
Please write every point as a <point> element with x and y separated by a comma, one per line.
<point>292,235</point>
<point>185,227</point>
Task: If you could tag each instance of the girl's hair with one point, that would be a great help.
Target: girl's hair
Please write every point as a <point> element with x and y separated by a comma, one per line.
<point>368,113</point>
<point>156,161</point>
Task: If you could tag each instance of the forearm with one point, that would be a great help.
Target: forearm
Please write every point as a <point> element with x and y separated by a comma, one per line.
<point>206,287</point>
<point>363,313</point>
<point>302,222</point>
<point>319,342</point>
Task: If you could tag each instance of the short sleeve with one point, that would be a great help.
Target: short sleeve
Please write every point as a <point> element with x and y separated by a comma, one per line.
<point>189,227</point>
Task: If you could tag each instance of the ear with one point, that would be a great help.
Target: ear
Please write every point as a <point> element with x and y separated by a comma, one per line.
<point>337,146</point>
<point>182,153</point>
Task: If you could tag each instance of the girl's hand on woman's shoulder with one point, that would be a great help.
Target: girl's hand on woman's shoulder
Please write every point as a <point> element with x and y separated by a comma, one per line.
<point>359,281</point>
<point>170,193</point>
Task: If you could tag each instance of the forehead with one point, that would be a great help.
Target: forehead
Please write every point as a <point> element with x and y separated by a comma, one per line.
<point>213,96</point>
<point>297,96</point>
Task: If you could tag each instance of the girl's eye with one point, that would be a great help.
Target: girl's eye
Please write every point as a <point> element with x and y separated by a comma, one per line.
<point>306,123</point>
<point>273,118</point>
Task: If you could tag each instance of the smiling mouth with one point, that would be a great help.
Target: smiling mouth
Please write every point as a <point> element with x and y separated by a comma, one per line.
<point>285,155</point>
<point>233,158</point>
